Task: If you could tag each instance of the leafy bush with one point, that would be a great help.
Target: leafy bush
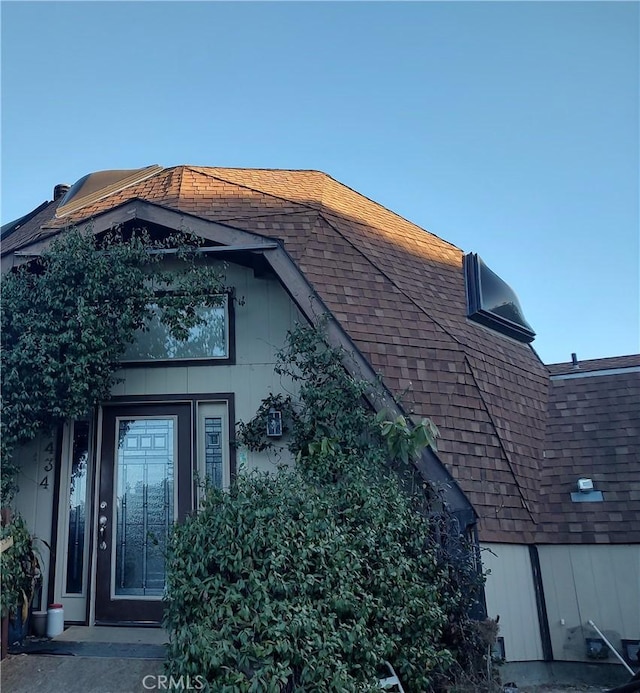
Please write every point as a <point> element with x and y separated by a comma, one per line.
<point>309,579</point>
<point>19,568</point>
<point>285,585</point>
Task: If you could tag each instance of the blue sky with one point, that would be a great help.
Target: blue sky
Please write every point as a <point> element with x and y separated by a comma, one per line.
<point>507,128</point>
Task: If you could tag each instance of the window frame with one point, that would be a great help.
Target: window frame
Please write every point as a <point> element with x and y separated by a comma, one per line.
<point>227,360</point>
<point>214,408</point>
<point>478,313</point>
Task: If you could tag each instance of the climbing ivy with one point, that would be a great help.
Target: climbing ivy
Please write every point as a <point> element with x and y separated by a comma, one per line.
<point>68,317</point>
<point>253,436</point>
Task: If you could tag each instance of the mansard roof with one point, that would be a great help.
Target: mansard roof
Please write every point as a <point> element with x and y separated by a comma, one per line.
<point>399,293</point>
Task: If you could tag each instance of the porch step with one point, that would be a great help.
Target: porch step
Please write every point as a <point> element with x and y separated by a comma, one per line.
<point>114,634</point>
<point>42,646</point>
<point>96,641</point>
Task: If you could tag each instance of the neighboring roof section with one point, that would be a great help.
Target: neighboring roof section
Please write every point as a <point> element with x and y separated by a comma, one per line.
<point>593,431</point>
<point>594,365</point>
<point>28,229</point>
<point>12,226</point>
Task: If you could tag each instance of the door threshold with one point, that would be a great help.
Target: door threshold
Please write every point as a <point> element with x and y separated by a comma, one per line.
<point>126,624</point>
<point>129,635</point>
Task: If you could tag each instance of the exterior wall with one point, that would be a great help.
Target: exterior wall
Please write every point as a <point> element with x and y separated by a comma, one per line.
<point>35,501</point>
<point>510,593</point>
<point>597,583</point>
<point>263,315</point>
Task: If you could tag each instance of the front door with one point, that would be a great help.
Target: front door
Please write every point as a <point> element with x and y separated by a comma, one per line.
<point>145,486</point>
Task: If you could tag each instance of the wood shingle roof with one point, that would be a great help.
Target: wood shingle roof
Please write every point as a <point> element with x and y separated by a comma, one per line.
<point>399,293</point>
<point>593,431</point>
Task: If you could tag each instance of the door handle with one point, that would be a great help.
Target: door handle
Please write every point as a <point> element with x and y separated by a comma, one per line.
<point>102,530</point>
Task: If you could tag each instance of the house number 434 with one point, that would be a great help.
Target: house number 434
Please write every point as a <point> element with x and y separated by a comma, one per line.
<point>48,465</point>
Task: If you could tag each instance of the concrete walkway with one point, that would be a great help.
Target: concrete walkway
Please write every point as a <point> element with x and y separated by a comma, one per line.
<point>72,674</point>
<point>119,660</point>
<point>87,660</point>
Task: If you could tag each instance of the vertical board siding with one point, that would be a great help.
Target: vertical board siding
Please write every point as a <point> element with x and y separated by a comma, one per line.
<point>263,315</point>
<point>600,583</point>
<point>510,593</point>
<point>34,500</point>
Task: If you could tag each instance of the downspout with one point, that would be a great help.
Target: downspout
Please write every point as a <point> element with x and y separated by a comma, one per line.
<point>541,605</point>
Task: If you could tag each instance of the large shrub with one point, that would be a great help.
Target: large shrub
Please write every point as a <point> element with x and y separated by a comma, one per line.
<point>308,579</point>
<point>282,583</point>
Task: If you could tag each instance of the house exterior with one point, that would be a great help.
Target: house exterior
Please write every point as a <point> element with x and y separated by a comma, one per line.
<point>589,540</point>
<point>435,323</point>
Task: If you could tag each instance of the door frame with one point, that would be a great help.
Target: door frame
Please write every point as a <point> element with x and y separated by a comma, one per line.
<point>118,609</point>
<point>187,475</point>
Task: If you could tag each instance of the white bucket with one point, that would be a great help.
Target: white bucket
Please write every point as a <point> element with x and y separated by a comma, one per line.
<point>55,620</point>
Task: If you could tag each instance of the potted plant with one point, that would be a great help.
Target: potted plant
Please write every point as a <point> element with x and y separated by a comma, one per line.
<point>21,577</point>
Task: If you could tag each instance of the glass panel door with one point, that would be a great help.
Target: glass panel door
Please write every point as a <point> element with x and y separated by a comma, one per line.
<point>145,504</point>
<point>145,486</point>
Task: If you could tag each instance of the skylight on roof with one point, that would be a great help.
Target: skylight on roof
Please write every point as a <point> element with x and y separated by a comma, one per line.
<point>96,186</point>
<point>492,302</point>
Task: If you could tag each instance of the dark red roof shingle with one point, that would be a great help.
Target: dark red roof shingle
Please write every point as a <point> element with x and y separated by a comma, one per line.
<point>399,293</point>
<point>594,365</point>
<point>593,431</point>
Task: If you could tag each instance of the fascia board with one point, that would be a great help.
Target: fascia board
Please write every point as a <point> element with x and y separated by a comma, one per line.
<point>209,230</point>
<point>141,211</point>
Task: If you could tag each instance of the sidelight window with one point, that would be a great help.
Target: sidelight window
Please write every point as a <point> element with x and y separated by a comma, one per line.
<point>77,509</point>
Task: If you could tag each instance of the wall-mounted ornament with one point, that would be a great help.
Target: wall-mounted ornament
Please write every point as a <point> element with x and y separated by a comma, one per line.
<point>274,423</point>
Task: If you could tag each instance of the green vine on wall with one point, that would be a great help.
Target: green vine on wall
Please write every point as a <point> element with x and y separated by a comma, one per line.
<point>331,412</point>
<point>406,443</point>
<point>253,435</point>
<point>69,315</point>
